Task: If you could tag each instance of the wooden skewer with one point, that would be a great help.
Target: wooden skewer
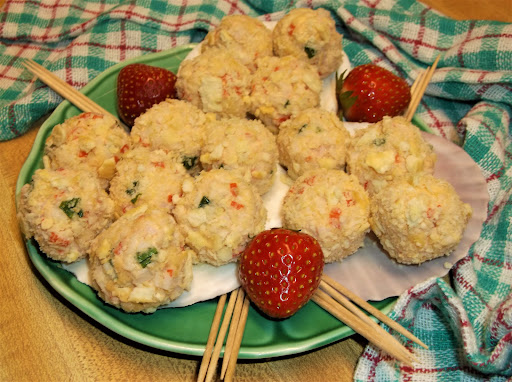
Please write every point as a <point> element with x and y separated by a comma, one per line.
<point>379,338</point>
<point>415,85</point>
<point>211,337</point>
<point>212,366</point>
<point>341,303</point>
<point>65,90</point>
<point>233,329</point>
<point>228,376</point>
<point>419,89</point>
<point>372,310</point>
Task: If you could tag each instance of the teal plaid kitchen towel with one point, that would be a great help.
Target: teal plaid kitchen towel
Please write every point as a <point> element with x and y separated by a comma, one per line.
<point>468,325</point>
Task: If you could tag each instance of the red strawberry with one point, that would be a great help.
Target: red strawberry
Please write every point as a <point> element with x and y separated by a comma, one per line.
<point>280,269</point>
<point>139,87</point>
<point>370,92</point>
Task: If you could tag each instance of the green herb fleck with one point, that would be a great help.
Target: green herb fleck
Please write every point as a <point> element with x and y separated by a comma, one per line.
<point>379,141</point>
<point>68,207</point>
<point>189,162</point>
<point>134,200</point>
<point>303,127</point>
<point>204,201</point>
<point>144,258</point>
<point>311,52</point>
<point>131,191</point>
<point>287,103</point>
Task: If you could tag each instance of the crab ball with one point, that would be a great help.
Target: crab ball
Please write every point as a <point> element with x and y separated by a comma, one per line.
<point>88,141</point>
<point>245,37</point>
<point>314,138</point>
<point>281,87</point>
<point>174,126</point>
<point>311,36</point>
<point>146,176</point>
<point>215,82</point>
<point>64,210</point>
<point>388,150</point>
<point>140,262</point>
<point>419,219</point>
<point>242,145</point>
<point>219,213</point>
<point>331,206</point>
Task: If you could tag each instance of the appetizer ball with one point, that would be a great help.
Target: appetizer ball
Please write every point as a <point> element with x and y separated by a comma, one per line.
<point>281,87</point>
<point>88,141</point>
<point>314,138</point>
<point>146,176</point>
<point>174,126</point>
<point>387,150</point>
<point>311,36</point>
<point>215,82</point>
<point>140,262</point>
<point>331,206</point>
<point>64,210</point>
<point>245,37</point>
<point>418,219</point>
<point>242,145</point>
<point>219,214</point>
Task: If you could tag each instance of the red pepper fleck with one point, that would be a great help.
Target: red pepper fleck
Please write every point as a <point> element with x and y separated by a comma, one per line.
<point>236,205</point>
<point>170,272</point>
<point>309,181</point>
<point>82,154</point>
<point>159,164</point>
<point>309,158</point>
<point>118,249</point>
<point>334,216</point>
<point>116,158</point>
<point>397,158</point>
<point>348,197</point>
<point>56,239</point>
<point>124,149</point>
<point>291,28</point>
<point>282,119</point>
<point>169,198</point>
<point>233,187</point>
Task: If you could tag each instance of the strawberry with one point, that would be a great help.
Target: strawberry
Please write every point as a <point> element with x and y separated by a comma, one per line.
<point>280,269</point>
<point>139,87</point>
<point>369,92</point>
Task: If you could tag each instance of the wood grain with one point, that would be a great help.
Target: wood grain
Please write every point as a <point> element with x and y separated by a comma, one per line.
<point>43,337</point>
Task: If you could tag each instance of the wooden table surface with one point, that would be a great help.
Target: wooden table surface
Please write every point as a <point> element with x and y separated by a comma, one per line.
<point>43,337</point>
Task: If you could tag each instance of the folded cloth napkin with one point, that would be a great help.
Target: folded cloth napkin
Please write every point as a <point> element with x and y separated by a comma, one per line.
<point>468,326</point>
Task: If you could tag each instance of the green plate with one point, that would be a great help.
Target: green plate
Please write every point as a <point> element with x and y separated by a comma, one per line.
<point>179,330</point>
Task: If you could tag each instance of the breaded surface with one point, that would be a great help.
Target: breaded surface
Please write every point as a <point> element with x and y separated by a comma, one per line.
<point>419,219</point>
<point>314,138</point>
<point>140,262</point>
<point>332,207</point>
<point>245,37</point>
<point>174,126</point>
<point>215,82</point>
<point>90,142</point>
<point>388,150</point>
<point>311,36</point>
<point>64,210</point>
<point>219,214</point>
<point>242,145</point>
<point>281,87</point>
<point>145,176</point>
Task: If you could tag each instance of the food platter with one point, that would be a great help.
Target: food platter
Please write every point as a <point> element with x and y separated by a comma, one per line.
<point>184,330</point>
<point>180,330</point>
